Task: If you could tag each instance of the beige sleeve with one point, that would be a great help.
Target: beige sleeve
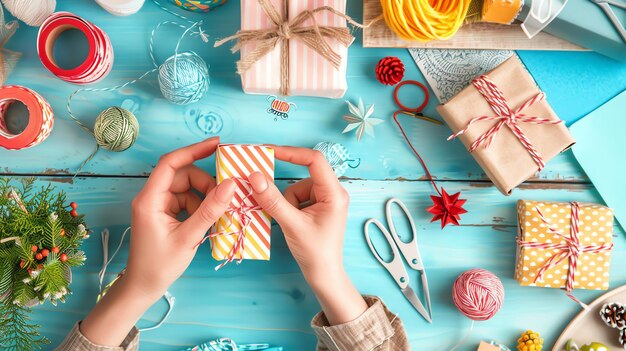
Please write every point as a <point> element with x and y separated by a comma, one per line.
<point>76,341</point>
<point>376,329</point>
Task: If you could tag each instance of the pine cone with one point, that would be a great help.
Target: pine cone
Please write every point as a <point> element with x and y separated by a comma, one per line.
<point>530,341</point>
<point>614,315</point>
<point>622,338</point>
<point>390,70</point>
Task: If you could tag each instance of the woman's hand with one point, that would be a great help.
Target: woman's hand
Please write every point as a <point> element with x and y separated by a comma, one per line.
<point>312,215</point>
<point>161,246</point>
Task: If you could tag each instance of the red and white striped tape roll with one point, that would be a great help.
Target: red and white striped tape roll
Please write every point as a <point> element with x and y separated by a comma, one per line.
<point>40,119</point>
<point>99,60</point>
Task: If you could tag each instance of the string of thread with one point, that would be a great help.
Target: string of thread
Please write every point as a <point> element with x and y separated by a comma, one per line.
<point>31,12</point>
<point>425,20</point>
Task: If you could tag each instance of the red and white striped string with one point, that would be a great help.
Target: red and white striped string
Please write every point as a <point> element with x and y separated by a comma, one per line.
<point>505,116</point>
<point>569,249</point>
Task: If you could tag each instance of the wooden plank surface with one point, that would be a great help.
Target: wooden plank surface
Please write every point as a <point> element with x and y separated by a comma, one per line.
<point>269,301</point>
<point>472,36</point>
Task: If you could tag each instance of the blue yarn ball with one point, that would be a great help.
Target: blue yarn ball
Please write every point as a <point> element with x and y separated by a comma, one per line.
<point>184,78</point>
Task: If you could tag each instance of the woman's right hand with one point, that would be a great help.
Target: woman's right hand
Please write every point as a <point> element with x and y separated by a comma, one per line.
<point>313,214</point>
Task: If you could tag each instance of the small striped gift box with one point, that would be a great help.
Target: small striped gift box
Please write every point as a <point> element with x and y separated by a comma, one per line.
<point>243,232</point>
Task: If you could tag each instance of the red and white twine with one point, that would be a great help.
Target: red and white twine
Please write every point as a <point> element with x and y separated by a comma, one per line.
<point>569,249</point>
<point>478,294</point>
<point>505,116</point>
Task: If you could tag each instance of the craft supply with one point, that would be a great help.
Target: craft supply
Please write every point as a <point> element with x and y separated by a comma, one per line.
<point>279,107</point>
<point>8,58</point>
<point>449,71</point>
<point>184,78</point>
<point>594,346</point>
<point>570,239</point>
<point>599,138</point>
<point>474,12</point>
<point>446,208</point>
<point>361,119</point>
<point>478,294</point>
<point>226,344</point>
<point>492,346</point>
<point>501,11</point>
<point>425,20</point>
<point>613,314</point>
<point>606,5</point>
<point>40,118</point>
<point>390,70</point>
<point>529,341</point>
<point>40,243</point>
<point>244,231</point>
<point>121,7</point>
<point>31,12</point>
<point>535,133</point>
<point>99,60</point>
<point>541,13</point>
<point>293,47</point>
<point>198,5</point>
<point>337,156</point>
<point>409,250</point>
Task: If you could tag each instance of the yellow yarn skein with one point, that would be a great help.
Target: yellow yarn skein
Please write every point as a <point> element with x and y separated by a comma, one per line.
<point>425,20</point>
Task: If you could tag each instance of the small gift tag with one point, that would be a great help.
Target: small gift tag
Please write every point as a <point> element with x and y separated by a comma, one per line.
<point>279,107</point>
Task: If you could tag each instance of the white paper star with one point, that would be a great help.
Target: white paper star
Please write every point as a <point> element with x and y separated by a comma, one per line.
<point>361,120</point>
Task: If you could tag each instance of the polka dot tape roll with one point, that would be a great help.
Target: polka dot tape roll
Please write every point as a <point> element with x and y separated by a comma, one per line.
<point>40,119</point>
<point>99,60</point>
<point>198,5</point>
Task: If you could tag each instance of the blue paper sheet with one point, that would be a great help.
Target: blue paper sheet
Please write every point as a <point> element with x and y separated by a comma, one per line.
<point>599,148</point>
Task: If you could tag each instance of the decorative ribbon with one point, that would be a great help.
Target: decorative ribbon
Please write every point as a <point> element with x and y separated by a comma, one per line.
<point>506,116</point>
<point>570,249</point>
<point>242,213</point>
<point>314,36</point>
<point>227,344</point>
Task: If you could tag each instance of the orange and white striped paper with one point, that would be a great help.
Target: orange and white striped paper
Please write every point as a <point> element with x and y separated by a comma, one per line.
<point>238,162</point>
<point>309,73</point>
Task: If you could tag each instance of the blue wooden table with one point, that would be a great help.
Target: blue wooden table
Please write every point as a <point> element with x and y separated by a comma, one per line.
<point>270,301</point>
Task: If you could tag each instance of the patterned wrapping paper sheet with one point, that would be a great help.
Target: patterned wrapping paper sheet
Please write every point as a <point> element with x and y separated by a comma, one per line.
<point>309,73</point>
<point>596,228</point>
<point>238,162</point>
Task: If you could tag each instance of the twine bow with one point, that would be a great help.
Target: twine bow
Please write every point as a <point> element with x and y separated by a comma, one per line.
<point>505,116</point>
<point>314,36</point>
<point>242,214</point>
<point>570,249</point>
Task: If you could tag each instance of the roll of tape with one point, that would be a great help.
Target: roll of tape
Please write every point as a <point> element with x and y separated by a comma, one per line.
<point>198,5</point>
<point>501,11</point>
<point>40,118</point>
<point>99,60</point>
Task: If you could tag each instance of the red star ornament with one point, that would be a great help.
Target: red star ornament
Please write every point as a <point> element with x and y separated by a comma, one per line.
<point>447,208</point>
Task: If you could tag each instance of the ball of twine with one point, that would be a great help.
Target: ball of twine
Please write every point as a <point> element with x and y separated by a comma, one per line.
<point>31,12</point>
<point>184,78</point>
<point>116,129</point>
<point>478,294</point>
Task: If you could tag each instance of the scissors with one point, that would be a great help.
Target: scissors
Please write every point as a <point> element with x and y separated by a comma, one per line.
<point>411,254</point>
<point>605,5</point>
<point>413,112</point>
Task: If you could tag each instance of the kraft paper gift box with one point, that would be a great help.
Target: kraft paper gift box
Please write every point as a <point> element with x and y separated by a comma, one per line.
<point>244,220</point>
<point>545,237</point>
<point>584,23</point>
<point>309,73</point>
<point>507,161</point>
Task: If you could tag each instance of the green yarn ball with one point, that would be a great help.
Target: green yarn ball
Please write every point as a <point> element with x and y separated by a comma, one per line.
<point>116,129</point>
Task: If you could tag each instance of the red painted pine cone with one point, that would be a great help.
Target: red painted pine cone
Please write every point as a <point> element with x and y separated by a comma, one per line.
<point>390,70</point>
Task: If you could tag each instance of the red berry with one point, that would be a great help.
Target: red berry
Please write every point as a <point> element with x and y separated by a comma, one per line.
<point>39,266</point>
<point>73,213</point>
<point>39,256</point>
<point>390,70</point>
<point>55,250</point>
<point>30,271</point>
<point>45,252</point>
<point>22,263</point>
<point>62,233</point>
<point>63,257</point>
<point>73,205</point>
<point>34,248</point>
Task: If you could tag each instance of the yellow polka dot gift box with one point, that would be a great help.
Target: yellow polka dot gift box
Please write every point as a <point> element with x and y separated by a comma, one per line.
<point>564,245</point>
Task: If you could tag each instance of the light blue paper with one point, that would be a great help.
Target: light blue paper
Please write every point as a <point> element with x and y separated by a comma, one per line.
<point>599,148</point>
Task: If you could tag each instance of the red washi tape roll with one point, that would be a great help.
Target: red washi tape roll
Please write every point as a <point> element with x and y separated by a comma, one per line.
<point>40,118</point>
<point>99,60</point>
